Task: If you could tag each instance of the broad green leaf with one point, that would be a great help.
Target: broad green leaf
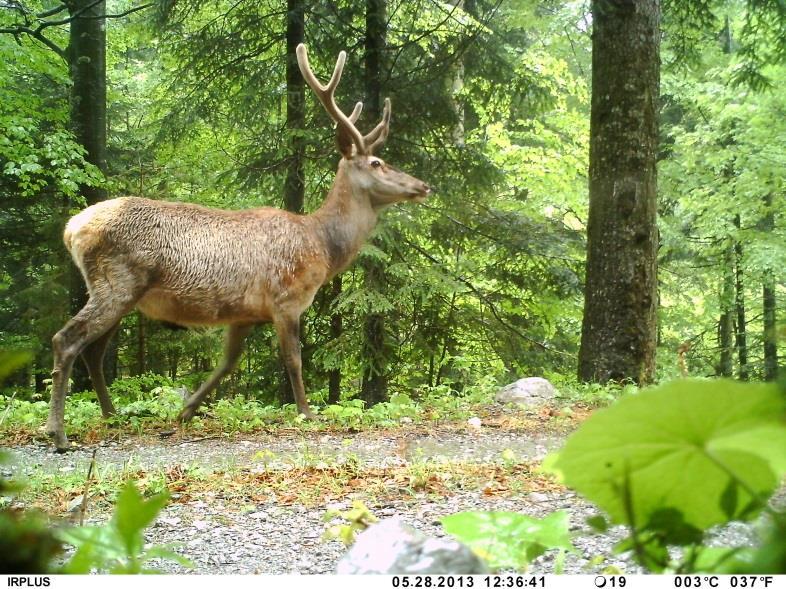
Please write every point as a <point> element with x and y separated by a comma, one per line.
<point>507,539</point>
<point>725,561</point>
<point>133,514</point>
<point>95,545</point>
<point>11,361</point>
<point>711,450</point>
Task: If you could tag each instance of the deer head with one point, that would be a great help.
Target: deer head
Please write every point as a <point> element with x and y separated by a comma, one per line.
<point>367,174</point>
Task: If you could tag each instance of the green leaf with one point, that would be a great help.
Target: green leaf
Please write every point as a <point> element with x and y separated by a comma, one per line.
<point>133,514</point>
<point>95,545</point>
<point>11,361</point>
<point>711,450</point>
<point>167,552</point>
<point>725,561</point>
<point>598,523</point>
<point>507,539</point>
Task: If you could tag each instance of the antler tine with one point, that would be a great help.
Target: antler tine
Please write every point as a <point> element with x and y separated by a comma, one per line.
<point>356,112</point>
<point>378,134</point>
<point>326,95</point>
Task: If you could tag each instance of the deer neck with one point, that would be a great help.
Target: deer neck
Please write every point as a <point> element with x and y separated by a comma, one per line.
<point>344,221</point>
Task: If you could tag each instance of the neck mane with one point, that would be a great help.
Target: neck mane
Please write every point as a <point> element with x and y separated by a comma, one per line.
<point>343,222</point>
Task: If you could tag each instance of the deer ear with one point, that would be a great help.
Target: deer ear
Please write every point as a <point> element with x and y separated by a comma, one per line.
<point>345,143</point>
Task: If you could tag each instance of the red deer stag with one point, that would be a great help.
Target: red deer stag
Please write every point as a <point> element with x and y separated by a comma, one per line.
<point>195,266</point>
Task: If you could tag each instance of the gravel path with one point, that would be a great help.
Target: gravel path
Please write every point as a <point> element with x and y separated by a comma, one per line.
<point>221,537</point>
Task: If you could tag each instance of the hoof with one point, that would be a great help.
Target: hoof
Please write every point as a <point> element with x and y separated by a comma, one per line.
<point>311,416</point>
<point>60,440</point>
<point>186,415</point>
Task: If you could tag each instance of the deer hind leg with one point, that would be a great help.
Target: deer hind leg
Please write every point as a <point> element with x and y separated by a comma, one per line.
<point>101,313</point>
<point>288,330</point>
<point>233,347</point>
<point>93,356</point>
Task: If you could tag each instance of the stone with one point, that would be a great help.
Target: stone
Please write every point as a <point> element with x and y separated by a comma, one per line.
<point>392,547</point>
<point>530,391</point>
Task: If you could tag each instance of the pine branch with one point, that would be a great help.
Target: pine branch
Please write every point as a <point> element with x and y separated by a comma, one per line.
<point>485,300</point>
<point>51,12</point>
<point>37,33</point>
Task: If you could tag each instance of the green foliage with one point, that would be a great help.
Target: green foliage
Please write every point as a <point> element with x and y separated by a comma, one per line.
<point>10,361</point>
<point>161,403</point>
<point>26,543</point>
<point>356,519</point>
<point>119,547</point>
<point>509,540</point>
<point>134,388</point>
<point>675,460</point>
<point>351,413</point>
<point>239,414</point>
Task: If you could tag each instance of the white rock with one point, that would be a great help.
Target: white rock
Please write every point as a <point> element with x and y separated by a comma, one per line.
<point>474,422</point>
<point>392,547</point>
<point>200,525</point>
<point>530,391</point>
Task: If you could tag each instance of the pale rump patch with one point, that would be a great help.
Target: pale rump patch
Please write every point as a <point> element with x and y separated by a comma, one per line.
<point>92,219</point>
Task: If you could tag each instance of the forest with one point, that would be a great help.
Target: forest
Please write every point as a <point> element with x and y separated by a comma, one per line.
<point>606,208</point>
<point>485,281</point>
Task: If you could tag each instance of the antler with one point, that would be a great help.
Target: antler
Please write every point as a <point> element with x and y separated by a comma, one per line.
<point>378,134</point>
<point>365,144</point>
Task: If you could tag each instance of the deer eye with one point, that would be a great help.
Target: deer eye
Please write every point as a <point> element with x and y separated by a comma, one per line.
<point>376,164</point>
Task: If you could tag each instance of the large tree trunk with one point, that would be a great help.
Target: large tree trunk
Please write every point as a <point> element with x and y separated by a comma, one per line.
<point>87,64</point>
<point>768,300</point>
<point>619,331</point>
<point>294,185</point>
<point>374,388</point>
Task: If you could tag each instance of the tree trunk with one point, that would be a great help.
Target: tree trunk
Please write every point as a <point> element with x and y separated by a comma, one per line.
<point>769,304</point>
<point>740,334</point>
<point>87,66</point>
<point>456,85</point>
<point>140,345</point>
<point>294,185</point>
<point>726,321</point>
<point>374,388</point>
<point>336,329</point>
<point>619,330</point>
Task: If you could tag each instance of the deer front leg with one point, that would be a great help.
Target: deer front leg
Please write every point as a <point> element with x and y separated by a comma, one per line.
<point>288,330</point>
<point>233,347</point>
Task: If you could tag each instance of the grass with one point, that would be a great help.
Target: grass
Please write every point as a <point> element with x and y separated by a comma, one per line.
<point>310,485</point>
<point>154,411</point>
<point>308,477</point>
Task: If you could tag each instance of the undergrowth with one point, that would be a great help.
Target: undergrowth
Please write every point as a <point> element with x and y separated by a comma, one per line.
<point>151,403</point>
